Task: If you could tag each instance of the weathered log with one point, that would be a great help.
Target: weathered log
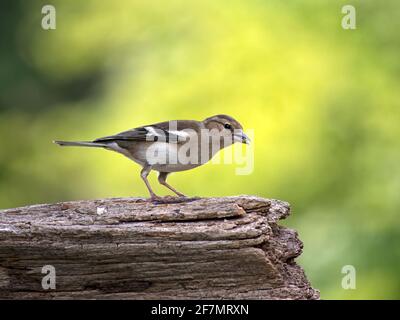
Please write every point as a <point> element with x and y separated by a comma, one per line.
<point>131,248</point>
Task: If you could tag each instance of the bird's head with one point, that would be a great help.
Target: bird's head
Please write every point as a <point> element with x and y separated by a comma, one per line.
<point>227,127</point>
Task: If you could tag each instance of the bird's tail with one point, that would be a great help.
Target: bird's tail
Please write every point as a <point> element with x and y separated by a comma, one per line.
<point>80,144</point>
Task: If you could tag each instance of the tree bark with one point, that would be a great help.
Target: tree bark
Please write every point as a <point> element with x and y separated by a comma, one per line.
<point>132,248</point>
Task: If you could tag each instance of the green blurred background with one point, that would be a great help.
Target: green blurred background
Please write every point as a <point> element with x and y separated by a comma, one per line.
<point>323,101</point>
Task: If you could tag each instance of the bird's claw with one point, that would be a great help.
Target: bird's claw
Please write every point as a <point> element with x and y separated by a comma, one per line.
<point>171,199</point>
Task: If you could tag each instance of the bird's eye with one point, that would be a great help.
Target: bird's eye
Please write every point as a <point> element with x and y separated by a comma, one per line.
<point>227,126</point>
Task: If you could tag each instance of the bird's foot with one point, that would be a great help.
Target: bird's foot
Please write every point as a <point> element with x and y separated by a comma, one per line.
<point>171,199</point>
<point>156,198</point>
<point>181,195</point>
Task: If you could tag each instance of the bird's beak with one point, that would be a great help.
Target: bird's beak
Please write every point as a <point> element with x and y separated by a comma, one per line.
<point>241,137</point>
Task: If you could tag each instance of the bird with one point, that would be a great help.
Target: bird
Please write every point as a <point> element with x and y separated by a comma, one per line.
<point>171,146</point>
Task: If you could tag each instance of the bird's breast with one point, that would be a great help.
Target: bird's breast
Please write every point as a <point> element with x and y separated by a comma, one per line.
<point>169,157</point>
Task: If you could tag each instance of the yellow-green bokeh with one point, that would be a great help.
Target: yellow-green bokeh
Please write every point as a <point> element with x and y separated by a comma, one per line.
<point>324,103</point>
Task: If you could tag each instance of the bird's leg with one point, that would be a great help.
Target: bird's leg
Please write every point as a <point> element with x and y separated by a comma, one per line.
<point>144,173</point>
<point>162,177</point>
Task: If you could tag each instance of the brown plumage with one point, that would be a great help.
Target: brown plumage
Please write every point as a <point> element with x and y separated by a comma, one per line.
<point>171,146</point>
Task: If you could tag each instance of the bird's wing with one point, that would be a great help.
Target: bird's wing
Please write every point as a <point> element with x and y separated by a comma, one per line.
<point>149,133</point>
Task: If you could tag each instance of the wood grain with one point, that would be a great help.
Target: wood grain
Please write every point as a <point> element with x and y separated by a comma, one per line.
<point>131,248</point>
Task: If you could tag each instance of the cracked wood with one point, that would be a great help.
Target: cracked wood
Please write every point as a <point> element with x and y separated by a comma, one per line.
<point>131,248</point>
